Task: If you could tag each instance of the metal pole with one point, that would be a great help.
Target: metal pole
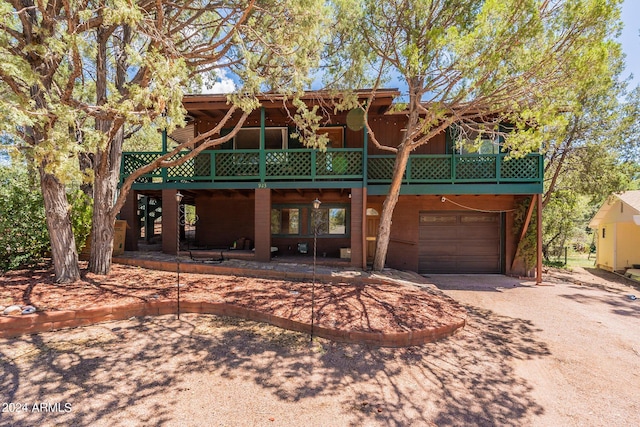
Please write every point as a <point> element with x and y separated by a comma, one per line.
<point>314,224</point>
<point>178,256</point>
<point>313,281</point>
<point>178,201</point>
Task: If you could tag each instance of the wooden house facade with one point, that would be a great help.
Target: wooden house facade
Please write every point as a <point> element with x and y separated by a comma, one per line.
<point>455,213</point>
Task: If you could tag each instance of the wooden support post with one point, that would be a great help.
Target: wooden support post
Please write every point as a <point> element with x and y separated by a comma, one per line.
<point>539,229</point>
<point>262,231</point>
<point>129,213</point>
<point>169,222</point>
<point>357,225</point>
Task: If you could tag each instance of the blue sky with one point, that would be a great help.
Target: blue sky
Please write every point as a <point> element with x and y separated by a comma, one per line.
<point>630,39</point>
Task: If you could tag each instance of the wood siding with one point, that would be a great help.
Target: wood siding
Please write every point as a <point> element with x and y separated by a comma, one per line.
<point>404,245</point>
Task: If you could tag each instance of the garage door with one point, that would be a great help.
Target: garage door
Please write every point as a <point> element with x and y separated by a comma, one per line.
<point>459,242</point>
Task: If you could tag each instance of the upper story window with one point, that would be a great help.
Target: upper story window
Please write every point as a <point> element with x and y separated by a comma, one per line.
<point>483,145</point>
<point>467,141</point>
<point>249,138</point>
<point>335,135</point>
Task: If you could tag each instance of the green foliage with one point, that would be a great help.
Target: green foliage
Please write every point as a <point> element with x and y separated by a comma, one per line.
<point>24,239</point>
<point>593,155</point>
<point>555,264</point>
<point>565,220</point>
<point>478,64</point>
<point>75,79</point>
<point>23,231</point>
<point>145,138</point>
<point>81,213</point>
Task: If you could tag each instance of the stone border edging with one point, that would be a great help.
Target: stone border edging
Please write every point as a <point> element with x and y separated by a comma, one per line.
<point>12,326</point>
<point>198,268</point>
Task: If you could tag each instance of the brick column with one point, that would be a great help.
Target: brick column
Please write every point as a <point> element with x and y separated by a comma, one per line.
<point>262,225</point>
<point>129,213</point>
<point>358,224</point>
<point>169,218</point>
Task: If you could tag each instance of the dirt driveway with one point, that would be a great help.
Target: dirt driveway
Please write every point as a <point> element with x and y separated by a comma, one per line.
<point>589,373</point>
<point>563,354</point>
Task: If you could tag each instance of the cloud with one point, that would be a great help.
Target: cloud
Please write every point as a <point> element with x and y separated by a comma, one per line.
<point>218,82</point>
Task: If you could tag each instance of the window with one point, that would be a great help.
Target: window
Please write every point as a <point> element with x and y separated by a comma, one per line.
<point>299,220</point>
<point>249,138</point>
<point>604,233</point>
<point>285,221</point>
<point>482,146</point>
<point>332,221</point>
<point>335,135</point>
<point>473,142</point>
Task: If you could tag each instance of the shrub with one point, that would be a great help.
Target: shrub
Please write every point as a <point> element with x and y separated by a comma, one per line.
<point>24,239</point>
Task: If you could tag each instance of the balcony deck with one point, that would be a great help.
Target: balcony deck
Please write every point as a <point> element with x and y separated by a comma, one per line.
<point>342,168</point>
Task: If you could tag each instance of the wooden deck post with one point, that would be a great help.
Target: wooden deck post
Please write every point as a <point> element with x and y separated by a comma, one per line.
<point>129,213</point>
<point>169,221</point>
<point>262,224</point>
<point>357,226</point>
<point>539,230</point>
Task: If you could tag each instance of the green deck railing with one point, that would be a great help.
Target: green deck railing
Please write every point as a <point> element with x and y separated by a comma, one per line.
<point>343,164</point>
<point>468,168</point>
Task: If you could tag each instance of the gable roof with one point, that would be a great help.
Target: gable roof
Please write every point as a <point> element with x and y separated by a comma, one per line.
<point>631,198</point>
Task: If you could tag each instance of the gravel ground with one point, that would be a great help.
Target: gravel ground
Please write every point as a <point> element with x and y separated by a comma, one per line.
<point>566,353</point>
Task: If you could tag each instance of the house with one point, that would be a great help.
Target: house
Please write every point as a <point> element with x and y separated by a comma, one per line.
<point>617,227</point>
<point>455,213</point>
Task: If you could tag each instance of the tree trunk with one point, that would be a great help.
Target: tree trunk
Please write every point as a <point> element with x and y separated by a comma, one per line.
<point>58,212</point>
<point>106,166</point>
<point>107,174</point>
<point>384,230</point>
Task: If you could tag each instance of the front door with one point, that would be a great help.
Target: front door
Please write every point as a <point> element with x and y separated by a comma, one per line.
<point>373,221</point>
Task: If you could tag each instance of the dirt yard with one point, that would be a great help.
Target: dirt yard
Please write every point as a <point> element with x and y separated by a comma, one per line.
<point>566,353</point>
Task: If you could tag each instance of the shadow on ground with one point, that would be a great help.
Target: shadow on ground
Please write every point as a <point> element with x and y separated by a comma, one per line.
<point>619,302</point>
<point>611,277</point>
<point>477,282</point>
<point>139,371</point>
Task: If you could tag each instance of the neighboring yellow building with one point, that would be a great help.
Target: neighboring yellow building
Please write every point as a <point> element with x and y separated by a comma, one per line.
<point>617,225</point>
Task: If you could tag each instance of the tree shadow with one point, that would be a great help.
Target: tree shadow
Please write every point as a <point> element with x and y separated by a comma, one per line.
<point>611,277</point>
<point>620,304</point>
<point>478,282</point>
<point>137,371</point>
<point>72,378</point>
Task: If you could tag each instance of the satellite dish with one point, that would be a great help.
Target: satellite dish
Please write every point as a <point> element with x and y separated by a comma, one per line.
<point>355,119</point>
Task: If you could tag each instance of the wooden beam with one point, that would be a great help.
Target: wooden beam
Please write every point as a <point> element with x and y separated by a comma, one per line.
<point>539,255</point>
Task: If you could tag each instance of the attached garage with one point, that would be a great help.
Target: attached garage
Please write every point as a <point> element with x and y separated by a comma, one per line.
<point>460,242</point>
